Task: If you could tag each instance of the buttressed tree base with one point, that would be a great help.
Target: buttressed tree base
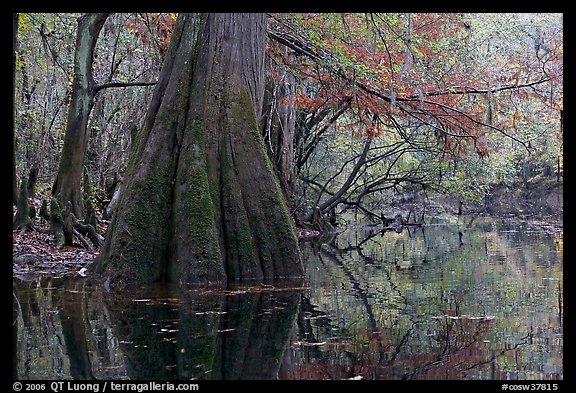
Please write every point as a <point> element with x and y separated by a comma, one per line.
<point>201,203</point>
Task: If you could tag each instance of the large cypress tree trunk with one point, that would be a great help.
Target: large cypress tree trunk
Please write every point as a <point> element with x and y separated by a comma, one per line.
<point>67,185</point>
<point>201,203</point>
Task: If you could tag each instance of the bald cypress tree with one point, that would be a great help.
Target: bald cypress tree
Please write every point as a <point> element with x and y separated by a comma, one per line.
<point>201,203</point>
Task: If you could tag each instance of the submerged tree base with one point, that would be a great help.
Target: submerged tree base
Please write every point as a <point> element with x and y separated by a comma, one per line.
<point>201,204</point>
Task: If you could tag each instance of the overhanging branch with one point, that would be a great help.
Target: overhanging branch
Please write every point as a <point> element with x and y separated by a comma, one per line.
<point>472,90</point>
<point>314,54</point>
<point>121,84</point>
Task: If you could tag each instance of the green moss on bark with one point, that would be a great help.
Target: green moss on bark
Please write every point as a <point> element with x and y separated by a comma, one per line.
<point>44,210</point>
<point>57,222</point>
<point>196,252</point>
<point>269,217</point>
<point>242,259</point>
<point>146,225</point>
<point>140,234</point>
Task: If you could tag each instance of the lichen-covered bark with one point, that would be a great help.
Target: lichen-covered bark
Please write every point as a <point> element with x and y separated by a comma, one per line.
<point>201,203</point>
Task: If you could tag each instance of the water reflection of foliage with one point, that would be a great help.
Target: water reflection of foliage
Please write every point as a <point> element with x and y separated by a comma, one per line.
<point>395,284</point>
<point>402,305</point>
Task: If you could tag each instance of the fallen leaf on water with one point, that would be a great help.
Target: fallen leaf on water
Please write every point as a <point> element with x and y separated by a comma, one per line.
<point>309,344</point>
<point>211,312</point>
<point>316,317</point>
<point>171,330</point>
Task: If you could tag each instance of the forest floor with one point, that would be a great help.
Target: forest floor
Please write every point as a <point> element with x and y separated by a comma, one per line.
<point>35,252</point>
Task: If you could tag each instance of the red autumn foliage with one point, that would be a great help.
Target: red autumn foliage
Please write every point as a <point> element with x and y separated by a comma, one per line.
<point>153,29</point>
<point>412,66</point>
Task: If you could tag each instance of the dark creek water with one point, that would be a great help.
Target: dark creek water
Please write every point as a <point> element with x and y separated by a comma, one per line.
<point>457,299</point>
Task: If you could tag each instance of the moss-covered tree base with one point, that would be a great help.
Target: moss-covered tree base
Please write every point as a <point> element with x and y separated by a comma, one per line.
<point>200,203</point>
<point>57,222</point>
<point>22,219</point>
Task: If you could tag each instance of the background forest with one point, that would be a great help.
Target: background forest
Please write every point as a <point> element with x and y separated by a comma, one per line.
<point>362,111</point>
<point>420,156</point>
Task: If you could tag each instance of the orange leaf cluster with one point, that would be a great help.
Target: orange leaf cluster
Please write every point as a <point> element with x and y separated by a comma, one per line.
<point>153,29</point>
<point>413,66</point>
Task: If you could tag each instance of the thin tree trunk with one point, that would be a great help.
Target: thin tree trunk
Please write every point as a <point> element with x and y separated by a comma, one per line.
<point>201,203</point>
<point>21,219</point>
<point>67,185</point>
<point>278,124</point>
<point>14,182</point>
<point>32,178</point>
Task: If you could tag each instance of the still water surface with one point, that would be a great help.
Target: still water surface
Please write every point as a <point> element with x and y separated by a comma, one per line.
<point>460,298</point>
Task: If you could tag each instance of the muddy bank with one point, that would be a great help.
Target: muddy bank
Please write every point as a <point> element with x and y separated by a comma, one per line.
<point>540,198</point>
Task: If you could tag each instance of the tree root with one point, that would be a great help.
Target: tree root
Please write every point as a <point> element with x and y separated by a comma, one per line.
<point>83,240</point>
<point>26,226</point>
<point>66,226</point>
<point>88,230</point>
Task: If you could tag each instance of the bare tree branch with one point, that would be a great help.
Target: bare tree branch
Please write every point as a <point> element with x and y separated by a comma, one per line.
<point>121,84</point>
<point>333,200</point>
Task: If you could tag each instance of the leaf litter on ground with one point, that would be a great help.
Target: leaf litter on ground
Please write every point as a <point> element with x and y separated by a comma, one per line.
<point>34,253</point>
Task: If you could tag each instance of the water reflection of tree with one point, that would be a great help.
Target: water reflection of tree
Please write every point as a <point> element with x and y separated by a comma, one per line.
<point>72,305</point>
<point>458,339</point>
<point>254,349</point>
<point>354,362</point>
<point>16,310</point>
<point>53,339</point>
<point>238,335</point>
<point>65,328</point>
<point>359,292</point>
<point>105,357</point>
